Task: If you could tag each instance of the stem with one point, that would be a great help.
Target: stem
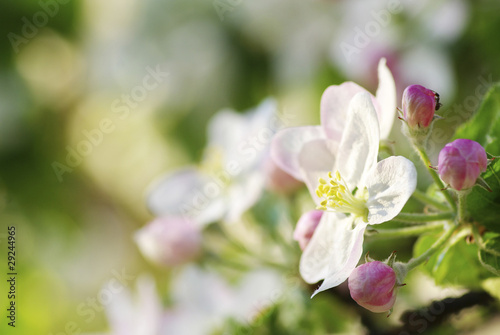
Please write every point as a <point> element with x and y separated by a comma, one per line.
<point>428,200</point>
<point>245,251</point>
<point>462,205</point>
<point>414,262</point>
<point>480,242</point>
<point>226,261</point>
<point>435,176</point>
<point>408,231</point>
<point>417,217</point>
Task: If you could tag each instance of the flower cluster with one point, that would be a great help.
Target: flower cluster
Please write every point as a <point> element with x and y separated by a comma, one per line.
<point>354,187</point>
<point>231,178</point>
<point>339,163</point>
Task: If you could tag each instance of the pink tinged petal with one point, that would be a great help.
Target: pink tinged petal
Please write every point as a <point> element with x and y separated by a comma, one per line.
<point>169,241</point>
<point>287,145</point>
<point>321,248</point>
<point>372,286</point>
<point>345,254</point>
<point>306,227</point>
<point>358,149</point>
<point>386,98</point>
<point>334,106</point>
<point>188,193</point>
<point>315,161</point>
<point>390,184</point>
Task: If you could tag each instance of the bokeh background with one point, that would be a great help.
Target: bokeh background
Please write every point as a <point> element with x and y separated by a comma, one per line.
<point>66,65</point>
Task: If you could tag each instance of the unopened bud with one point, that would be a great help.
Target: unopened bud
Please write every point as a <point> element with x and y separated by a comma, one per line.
<point>419,105</point>
<point>306,226</point>
<point>169,241</point>
<point>461,162</point>
<point>373,286</point>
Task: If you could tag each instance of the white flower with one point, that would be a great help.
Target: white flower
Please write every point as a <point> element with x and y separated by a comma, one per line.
<point>230,179</point>
<point>140,314</point>
<point>289,144</point>
<point>203,300</point>
<point>354,49</point>
<point>358,193</point>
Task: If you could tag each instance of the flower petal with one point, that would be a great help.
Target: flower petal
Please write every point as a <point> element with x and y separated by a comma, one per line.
<point>319,252</point>
<point>243,194</point>
<point>358,149</point>
<point>344,247</point>
<point>188,192</point>
<point>136,313</point>
<point>386,97</point>
<point>334,106</point>
<point>390,184</point>
<point>231,131</point>
<point>287,145</point>
<point>316,159</point>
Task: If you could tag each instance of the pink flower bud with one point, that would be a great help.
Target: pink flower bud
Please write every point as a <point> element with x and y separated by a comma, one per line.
<point>419,105</point>
<point>372,286</point>
<point>306,226</point>
<point>169,241</point>
<point>461,162</point>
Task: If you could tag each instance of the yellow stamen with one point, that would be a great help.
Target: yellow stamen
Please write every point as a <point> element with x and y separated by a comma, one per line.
<point>336,196</point>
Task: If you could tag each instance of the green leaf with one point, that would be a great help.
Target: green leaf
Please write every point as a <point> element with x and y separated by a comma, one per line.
<point>484,206</point>
<point>456,264</point>
<point>479,127</point>
<point>490,256</point>
<point>492,286</point>
<point>492,139</point>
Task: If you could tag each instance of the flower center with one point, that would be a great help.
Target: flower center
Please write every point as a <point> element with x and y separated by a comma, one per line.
<point>337,197</point>
<point>213,166</point>
<point>213,159</point>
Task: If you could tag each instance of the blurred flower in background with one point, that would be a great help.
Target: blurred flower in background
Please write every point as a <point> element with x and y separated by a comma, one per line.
<point>98,99</point>
<point>231,177</point>
<point>382,29</point>
<point>169,241</point>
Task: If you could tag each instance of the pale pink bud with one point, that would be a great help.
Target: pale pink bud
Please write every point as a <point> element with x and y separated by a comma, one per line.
<point>169,241</point>
<point>461,162</point>
<point>372,286</point>
<point>419,105</point>
<point>306,226</point>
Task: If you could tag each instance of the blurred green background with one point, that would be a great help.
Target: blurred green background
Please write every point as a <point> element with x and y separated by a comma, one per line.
<point>66,66</point>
